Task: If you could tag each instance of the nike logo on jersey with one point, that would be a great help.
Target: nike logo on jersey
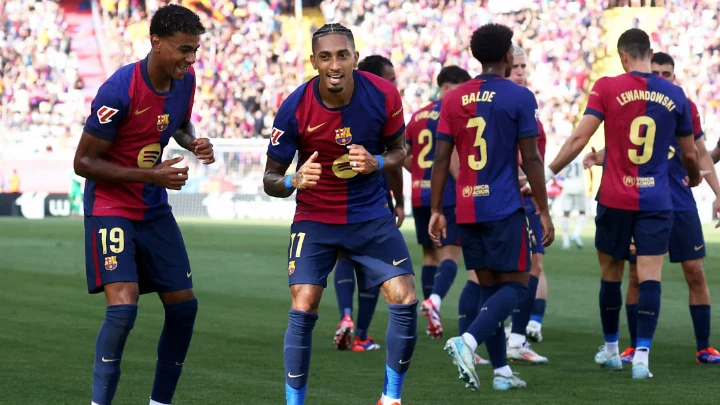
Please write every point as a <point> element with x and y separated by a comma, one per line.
<point>104,360</point>
<point>396,262</point>
<point>105,113</point>
<point>699,247</point>
<point>138,112</point>
<point>311,129</point>
<point>189,273</point>
<point>406,361</point>
<point>295,376</point>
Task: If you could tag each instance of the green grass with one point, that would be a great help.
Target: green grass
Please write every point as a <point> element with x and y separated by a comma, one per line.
<point>48,326</point>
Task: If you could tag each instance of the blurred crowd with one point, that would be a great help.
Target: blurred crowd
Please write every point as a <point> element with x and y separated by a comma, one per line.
<point>41,100</point>
<point>246,66</point>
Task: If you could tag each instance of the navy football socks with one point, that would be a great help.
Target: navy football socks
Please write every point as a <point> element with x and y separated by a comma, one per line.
<point>345,286</point>
<point>367,301</point>
<point>172,348</point>
<point>701,323</point>
<point>521,317</point>
<point>298,346</point>
<point>610,301</point>
<point>648,312</point>
<point>444,277</point>
<point>427,276</point>
<point>119,321</point>
<point>468,306</point>
<point>400,339</point>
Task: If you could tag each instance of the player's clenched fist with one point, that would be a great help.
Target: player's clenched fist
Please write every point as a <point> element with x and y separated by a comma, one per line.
<point>308,175</point>
<point>437,228</point>
<point>164,175</point>
<point>203,150</point>
<point>361,160</point>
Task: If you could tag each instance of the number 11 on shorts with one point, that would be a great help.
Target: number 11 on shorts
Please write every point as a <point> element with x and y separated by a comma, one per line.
<point>301,239</point>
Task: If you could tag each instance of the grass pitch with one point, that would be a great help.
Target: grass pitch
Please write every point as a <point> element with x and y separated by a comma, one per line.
<point>49,323</point>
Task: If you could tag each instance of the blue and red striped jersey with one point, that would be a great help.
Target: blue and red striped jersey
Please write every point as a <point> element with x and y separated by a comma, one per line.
<point>682,196</point>
<point>642,114</point>
<point>485,118</point>
<point>421,135</point>
<point>304,124</point>
<point>139,122</point>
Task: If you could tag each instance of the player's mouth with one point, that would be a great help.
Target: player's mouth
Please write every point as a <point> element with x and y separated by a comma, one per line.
<point>335,78</point>
<point>183,68</point>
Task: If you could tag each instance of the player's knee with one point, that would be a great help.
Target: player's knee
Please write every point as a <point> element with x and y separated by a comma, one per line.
<point>183,313</point>
<point>121,317</point>
<point>400,290</point>
<point>694,274</point>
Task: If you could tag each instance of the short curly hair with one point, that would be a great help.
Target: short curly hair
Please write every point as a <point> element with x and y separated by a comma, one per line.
<point>491,42</point>
<point>173,18</point>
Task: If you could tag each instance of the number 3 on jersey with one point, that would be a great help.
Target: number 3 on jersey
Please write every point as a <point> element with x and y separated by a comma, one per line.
<point>480,143</point>
<point>647,141</point>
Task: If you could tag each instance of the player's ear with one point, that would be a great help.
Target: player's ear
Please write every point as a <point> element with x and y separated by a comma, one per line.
<point>155,42</point>
<point>312,61</point>
<point>357,59</point>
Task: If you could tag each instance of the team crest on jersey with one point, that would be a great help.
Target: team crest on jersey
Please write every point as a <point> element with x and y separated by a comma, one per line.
<point>291,267</point>
<point>105,113</point>
<point>275,136</point>
<point>149,155</point>
<point>163,122</point>
<point>111,263</point>
<point>343,136</point>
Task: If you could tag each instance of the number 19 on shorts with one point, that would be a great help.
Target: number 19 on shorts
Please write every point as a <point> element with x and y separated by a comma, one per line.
<point>117,240</point>
<point>298,238</point>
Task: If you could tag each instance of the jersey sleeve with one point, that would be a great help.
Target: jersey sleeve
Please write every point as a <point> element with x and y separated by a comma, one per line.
<point>684,124</point>
<point>191,103</point>
<point>283,138</point>
<point>444,131</point>
<point>696,124</point>
<point>108,111</point>
<point>527,115</point>
<point>596,100</point>
<point>395,122</point>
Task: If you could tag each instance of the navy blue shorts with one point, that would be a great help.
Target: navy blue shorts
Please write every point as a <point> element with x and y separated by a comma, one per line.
<point>686,238</point>
<point>536,233</point>
<point>616,228</point>
<point>502,245</point>
<point>151,253</point>
<point>422,222</point>
<point>376,247</point>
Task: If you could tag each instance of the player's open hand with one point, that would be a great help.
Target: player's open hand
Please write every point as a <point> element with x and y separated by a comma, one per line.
<point>203,149</point>
<point>164,175</point>
<point>591,159</point>
<point>308,175</point>
<point>361,160</point>
<point>716,212</point>
<point>437,228</point>
<point>400,215</point>
<point>548,229</point>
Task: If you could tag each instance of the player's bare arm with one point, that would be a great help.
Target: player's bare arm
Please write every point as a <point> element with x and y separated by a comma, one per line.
<point>441,168</point>
<point>395,178</point>
<point>363,162</point>
<point>533,164</point>
<point>715,154</point>
<point>408,158</point>
<point>454,164</point>
<point>689,157</point>
<point>575,144</point>
<point>202,148</point>
<point>306,177</point>
<point>90,163</point>
<point>707,170</point>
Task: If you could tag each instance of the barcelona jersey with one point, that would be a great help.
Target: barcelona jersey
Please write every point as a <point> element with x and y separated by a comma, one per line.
<point>542,143</point>
<point>682,196</point>
<point>642,114</point>
<point>304,124</point>
<point>485,118</point>
<point>421,136</point>
<point>139,122</point>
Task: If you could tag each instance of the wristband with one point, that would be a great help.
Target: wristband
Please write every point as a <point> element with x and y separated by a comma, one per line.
<point>288,182</point>
<point>381,162</point>
<point>548,174</point>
